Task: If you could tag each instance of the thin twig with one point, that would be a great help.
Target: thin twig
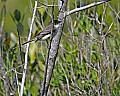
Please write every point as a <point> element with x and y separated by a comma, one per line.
<point>20,45</point>
<point>16,76</point>
<point>46,4</point>
<point>26,53</point>
<point>67,81</point>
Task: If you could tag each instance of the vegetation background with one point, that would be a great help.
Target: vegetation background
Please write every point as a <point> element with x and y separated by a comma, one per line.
<point>88,60</point>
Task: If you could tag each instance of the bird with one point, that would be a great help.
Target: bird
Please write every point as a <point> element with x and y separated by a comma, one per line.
<point>46,33</point>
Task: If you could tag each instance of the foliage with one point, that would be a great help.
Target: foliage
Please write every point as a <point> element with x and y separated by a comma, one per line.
<point>88,60</point>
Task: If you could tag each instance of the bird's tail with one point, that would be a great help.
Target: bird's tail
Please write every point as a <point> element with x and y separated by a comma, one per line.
<point>34,39</point>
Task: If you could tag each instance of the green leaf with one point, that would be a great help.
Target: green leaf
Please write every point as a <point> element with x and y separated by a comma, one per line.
<point>75,33</point>
<point>39,16</point>
<point>42,14</point>
<point>20,27</point>
<point>17,15</point>
<point>45,16</point>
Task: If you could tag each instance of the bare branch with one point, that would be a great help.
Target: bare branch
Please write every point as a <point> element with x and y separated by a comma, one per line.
<point>44,89</point>
<point>54,49</point>
<point>85,7</point>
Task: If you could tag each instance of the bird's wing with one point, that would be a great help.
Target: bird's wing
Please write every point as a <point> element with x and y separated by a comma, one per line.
<point>47,30</point>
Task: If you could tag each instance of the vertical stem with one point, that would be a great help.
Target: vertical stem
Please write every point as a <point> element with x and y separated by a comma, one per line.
<point>26,53</point>
<point>20,46</point>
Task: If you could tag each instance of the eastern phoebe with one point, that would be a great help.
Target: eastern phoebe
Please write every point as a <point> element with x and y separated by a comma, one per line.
<point>46,33</point>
